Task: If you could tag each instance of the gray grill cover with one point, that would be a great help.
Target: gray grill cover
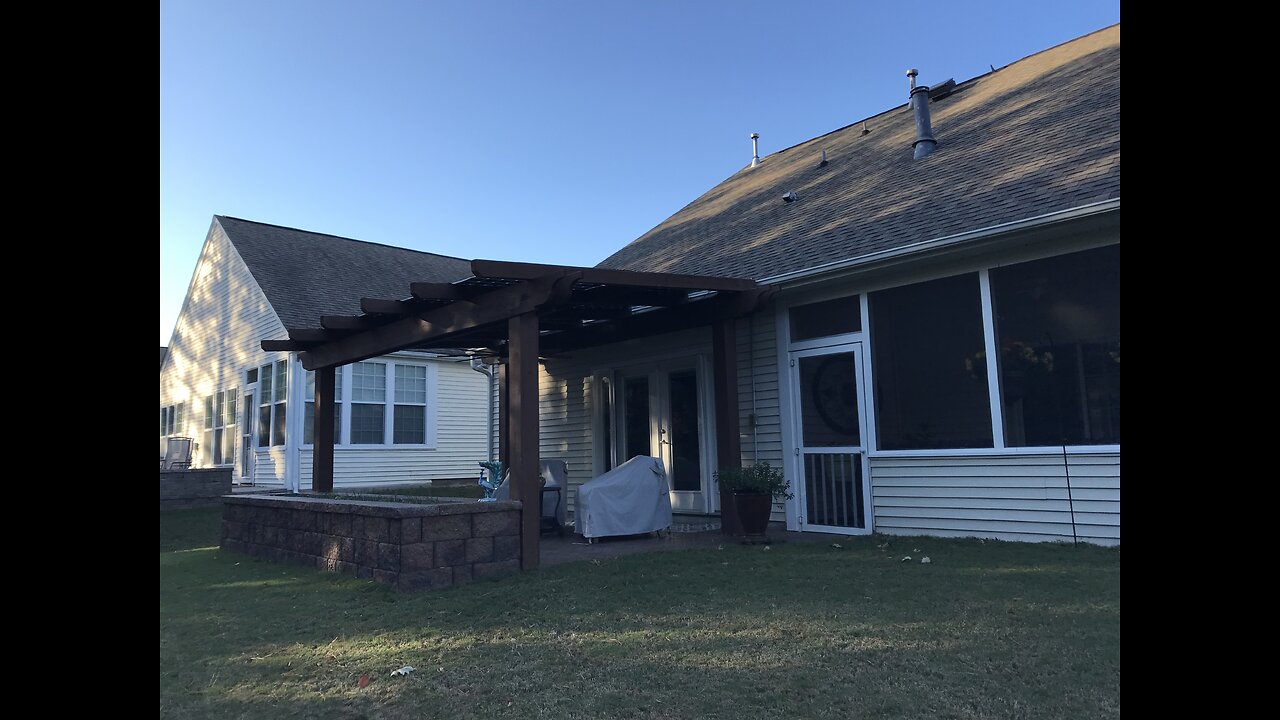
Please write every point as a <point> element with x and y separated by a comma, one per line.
<point>628,500</point>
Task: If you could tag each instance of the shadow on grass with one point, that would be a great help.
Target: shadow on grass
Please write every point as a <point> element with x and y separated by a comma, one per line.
<point>802,630</point>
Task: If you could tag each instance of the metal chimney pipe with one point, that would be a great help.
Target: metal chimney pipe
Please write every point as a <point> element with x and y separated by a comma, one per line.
<point>755,149</point>
<point>924,143</point>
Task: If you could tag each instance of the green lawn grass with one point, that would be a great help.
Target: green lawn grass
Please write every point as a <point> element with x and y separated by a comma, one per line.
<point>800,630</point>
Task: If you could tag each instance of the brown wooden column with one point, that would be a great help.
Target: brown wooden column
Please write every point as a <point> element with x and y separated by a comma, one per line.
<point>522,430</point>
<point>504,410</point>
<point>724,367</point>
<point>322,431</point>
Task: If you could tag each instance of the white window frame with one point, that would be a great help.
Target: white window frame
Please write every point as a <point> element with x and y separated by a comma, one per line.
<point>393,402</point>
<point>343,440</point>
<point>309,400</point>
<point>271,401</point>
<point>862,288</point>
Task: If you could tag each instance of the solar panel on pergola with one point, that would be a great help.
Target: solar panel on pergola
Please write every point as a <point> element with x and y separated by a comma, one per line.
<point>519,311</point>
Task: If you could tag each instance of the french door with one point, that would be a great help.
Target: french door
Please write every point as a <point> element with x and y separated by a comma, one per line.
<point>831,455</point>
<point>661,415</point>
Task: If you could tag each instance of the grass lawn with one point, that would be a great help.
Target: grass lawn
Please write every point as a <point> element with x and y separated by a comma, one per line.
<point>801,630</point>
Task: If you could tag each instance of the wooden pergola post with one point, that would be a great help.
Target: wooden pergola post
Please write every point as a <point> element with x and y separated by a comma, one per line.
<point>522,430</point>
<point>322,431</point>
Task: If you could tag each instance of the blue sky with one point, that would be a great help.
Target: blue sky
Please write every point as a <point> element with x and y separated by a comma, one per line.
<point>546,131</point>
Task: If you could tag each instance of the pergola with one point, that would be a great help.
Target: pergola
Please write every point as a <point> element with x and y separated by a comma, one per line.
<point>516,313</point>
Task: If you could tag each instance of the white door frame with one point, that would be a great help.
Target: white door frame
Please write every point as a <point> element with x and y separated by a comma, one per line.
<point>658,373</point>
<point>800,450</point>
<point>248,441</point>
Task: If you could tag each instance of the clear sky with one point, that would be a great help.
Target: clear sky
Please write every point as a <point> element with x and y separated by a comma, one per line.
<point>549,131</point>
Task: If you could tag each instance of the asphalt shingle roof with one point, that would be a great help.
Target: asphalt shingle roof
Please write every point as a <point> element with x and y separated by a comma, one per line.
<point>1037,136</point>
<point>307,274</point>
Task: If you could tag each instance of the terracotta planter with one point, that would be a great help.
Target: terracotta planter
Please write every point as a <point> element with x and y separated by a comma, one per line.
<point>753,514</point>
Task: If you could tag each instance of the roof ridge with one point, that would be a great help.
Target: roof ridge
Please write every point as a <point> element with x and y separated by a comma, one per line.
<point>957,89</point>
<point>341,237</point>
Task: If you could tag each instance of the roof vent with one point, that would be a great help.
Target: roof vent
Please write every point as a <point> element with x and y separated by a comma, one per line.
<point>824,159</point>
<point>789,197</point>
<point>924,143</point>
<point>865,130</point>
<point>755,149</point>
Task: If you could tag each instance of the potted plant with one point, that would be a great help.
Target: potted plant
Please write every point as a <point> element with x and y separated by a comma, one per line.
<point>750,492</point>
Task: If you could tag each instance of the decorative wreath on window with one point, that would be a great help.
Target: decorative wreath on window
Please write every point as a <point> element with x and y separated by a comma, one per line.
<point>835,395</point>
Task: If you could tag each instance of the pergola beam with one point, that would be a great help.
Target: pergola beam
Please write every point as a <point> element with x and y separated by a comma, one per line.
<point>630,278</point>
<point>378,306</point>
<point>346,322</point>
<point>435,291</point>
<point>286,345</point>
<point>456,317</point>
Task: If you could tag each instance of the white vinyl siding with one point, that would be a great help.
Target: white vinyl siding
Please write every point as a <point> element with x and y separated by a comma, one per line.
<point>456,428</point>
<point>223,320</point>
<point>1019,497</point>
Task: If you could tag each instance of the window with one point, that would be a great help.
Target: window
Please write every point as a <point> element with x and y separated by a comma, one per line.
<point>309,419</point>
<point>219,446</point>
<point>821,319</point>
<point>1058,332</point>
<point>264,407</point>
<point>278,410</point>
<point>272,393</point>
<point>368,403</point>
<point>409,421</point>
<point>173,420</point>
<point>925,338</point>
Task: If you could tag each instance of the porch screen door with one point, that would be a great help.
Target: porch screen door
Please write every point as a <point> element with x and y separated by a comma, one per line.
<point>830,443</point>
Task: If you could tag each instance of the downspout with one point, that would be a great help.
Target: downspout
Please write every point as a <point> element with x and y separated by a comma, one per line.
<point>480,367</point>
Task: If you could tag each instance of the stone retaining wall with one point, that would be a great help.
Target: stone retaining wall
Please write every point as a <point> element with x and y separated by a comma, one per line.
<point>193,488</point>
<point>407,545</point>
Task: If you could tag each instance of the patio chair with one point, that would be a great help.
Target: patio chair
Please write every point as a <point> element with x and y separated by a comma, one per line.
<point>177,455</point>
<point>555,485</point>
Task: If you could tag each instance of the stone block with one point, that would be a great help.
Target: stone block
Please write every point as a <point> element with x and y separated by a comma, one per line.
<point>446,527</point>
<point>479,549</point>
<point>410,530</point>
<point>506,547</point>
<point>389,556</point>
<point>497,523</point>
<point>417,556</point>
<point>450,552</point>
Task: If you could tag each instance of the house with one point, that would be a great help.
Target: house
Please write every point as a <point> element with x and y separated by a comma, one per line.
<point>868,379</point>
<point>916,316</point>
<point>406,416</point>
